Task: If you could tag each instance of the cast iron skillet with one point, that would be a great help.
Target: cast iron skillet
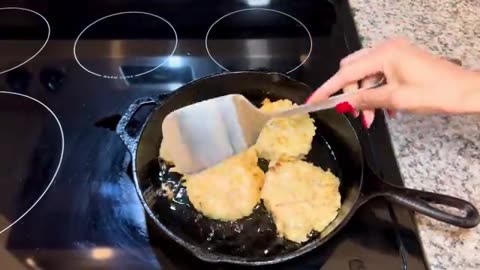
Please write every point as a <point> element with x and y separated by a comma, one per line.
<point>253,240</point>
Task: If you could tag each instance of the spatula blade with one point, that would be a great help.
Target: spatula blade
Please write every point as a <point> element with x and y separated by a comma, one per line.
<point>203,134</point>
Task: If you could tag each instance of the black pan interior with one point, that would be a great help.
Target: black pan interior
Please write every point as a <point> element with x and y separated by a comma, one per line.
<point>254,238</point>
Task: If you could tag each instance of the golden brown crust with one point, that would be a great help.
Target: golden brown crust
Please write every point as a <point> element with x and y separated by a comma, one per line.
<point>301,197</point>
<point>285,138</point>
<point>229,190</point>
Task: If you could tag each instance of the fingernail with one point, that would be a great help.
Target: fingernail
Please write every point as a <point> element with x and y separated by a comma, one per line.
<point>344,107</point>
<point>364,122</point>
<point>390,113</point>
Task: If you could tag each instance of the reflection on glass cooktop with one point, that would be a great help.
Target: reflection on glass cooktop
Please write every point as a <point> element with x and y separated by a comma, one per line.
<point>83,62</point>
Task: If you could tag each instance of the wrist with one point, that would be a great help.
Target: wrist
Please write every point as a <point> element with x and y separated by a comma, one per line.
<point>471,93</point>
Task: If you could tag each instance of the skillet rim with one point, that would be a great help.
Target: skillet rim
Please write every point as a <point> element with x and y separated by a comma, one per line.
<point>212,257</point>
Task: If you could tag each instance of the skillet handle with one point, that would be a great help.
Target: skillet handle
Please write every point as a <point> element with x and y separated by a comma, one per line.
<point>131,142</point>
<point>421,202</point>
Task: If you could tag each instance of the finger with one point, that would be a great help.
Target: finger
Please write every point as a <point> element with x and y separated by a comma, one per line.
<point>351,88</point>
<point>369,115</point>
<point>355,113</point>
<point>367,118</point>
<point>347,75</point>
<point>355,56</point>
<point>371,81</point>
<point>380,97</point>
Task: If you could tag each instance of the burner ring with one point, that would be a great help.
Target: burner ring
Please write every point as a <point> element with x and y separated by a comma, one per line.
<point>43,45</point>
<point>122,76</point>
<point>262,9</point>
<point>59,162</point>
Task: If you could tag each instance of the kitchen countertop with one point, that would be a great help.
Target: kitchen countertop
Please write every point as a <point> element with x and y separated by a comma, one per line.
<point>435,153</point>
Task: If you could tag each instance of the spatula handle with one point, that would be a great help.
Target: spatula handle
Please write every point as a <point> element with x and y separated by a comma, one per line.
<point>323,104</point>
<point>315,106</point>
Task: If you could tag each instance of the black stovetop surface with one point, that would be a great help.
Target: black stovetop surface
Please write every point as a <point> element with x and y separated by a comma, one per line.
<point>89,216</point>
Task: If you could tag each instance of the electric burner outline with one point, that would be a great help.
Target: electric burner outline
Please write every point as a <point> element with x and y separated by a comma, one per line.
<point>44,43</point>
<point>303,60</point>
<point>59,161</point>
<point>122,76</point>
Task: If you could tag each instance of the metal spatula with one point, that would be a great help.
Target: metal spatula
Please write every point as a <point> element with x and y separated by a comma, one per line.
<point>203,134</point>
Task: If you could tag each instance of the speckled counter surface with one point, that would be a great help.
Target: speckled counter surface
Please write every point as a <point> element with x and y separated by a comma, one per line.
<point>435,153</point>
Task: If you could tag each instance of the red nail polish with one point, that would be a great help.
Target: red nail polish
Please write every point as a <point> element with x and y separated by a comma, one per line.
<point>390,113</point>
<point>364,122</point>
<point>344,107</point>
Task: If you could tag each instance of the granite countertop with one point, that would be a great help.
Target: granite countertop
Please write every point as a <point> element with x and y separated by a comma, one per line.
<point>435,153</point>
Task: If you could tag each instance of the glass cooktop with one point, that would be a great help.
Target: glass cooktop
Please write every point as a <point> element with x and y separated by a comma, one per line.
<point>69,70</point>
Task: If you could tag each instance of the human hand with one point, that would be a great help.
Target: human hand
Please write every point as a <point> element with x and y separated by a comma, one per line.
<point>417,81</point>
